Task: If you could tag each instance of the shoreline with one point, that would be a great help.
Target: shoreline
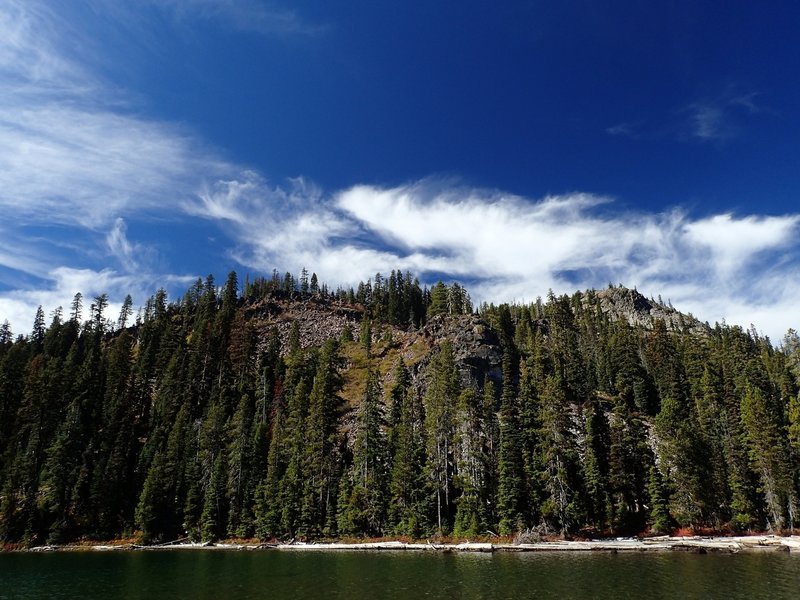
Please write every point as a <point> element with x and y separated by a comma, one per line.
<point>691,544</point>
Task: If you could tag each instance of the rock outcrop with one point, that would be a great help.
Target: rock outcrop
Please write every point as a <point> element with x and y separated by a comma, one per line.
<point>629,305</point>
<point>476,346</point>
<point>318,319</point>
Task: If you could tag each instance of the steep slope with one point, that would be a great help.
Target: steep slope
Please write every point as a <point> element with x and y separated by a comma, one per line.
<point>283,413</point>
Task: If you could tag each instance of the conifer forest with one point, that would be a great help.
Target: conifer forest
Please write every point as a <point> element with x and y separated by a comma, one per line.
<point>277,408</point>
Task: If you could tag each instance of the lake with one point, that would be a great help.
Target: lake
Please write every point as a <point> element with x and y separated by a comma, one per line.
<point>276,574</point>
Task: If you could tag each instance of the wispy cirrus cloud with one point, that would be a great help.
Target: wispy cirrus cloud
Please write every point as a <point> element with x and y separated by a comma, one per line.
<point>69,154</point>
<point>18,306</point>
<point>733,242</point>
<point>36,68</point>
<point>77,162</point>
<point>85,167</point>
<point>714,119</point>
<point>81,164</point>
<point>719,119</point>
<point>624,129</point>
<point>509,248</point>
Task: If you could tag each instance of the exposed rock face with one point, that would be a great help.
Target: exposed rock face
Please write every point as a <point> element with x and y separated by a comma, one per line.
<point>318,319</point>
<point>631,306</point>
<point>476,346</point>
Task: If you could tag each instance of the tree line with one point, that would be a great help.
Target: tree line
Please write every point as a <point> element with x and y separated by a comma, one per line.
<point>188,421</point>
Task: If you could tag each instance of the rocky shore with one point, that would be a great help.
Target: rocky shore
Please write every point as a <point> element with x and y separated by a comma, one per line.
<point>694,544</point>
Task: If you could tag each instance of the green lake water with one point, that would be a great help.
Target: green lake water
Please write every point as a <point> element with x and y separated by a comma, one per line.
<point>153,575</point>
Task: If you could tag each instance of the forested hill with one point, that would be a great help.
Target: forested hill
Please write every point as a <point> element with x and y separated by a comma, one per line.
<point>283,409</point>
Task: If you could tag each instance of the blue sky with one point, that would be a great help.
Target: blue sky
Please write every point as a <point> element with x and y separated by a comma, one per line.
<point>516,147</point>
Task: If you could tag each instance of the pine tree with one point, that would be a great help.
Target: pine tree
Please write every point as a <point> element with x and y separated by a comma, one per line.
<point>440,404</point>
<point>511,485</point>
<point>510,496</point>
<point>595,465</point>
<point>320,457</point>
<point>491,448</point>
<point>629,461</point>
<point>191,422</point>
<point>291,481</point>
<point>680,451</point>
<point>769,456</point>
<point>470,465</point>
<point>59,475</point>
<point>156,512</point>
<point>240,484</point>
<point>660,522</point>
<point>409,487</point>
<point>364,510</point>
<point>212,520</point>
<point>439,303</point>
<point>212,461</point>
<point>558,456</point>
<point>37,333</point>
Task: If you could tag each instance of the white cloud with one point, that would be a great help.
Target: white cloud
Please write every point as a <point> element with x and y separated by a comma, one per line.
<point>715,119</point>
<point>70,155</point>
<point>77,161</point>
<point>133,257</point>
<point>514,249</point>
<point>81,167</point>
<point>75,155</point>
<point>30,62</point>
<point>19,306</point>
<point>720,118</point>
<point>733,242</point>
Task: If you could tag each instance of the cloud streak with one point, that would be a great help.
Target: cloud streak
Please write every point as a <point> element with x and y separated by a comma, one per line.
<point>510,248</point>
<point>708,120</point>
<point>78,160</point>
<point>18,306</point>
<point>76,163</point>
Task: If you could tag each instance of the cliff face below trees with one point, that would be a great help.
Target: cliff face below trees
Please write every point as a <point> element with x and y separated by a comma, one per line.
<point>476,345</point>
<point>289,411</point>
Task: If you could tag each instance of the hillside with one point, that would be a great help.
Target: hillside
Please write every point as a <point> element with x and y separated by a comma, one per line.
<point>285,410</point>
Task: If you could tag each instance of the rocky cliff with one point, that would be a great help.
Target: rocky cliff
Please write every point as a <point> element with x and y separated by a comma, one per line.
<point>621,303</point>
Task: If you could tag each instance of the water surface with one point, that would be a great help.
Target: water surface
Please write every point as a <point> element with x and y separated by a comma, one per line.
<point>153,575</point>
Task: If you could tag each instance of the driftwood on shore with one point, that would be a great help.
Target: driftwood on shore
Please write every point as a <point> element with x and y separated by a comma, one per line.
<point>694,544</point>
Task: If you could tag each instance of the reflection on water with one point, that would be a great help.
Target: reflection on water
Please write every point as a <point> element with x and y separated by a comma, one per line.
<point>354,575</point>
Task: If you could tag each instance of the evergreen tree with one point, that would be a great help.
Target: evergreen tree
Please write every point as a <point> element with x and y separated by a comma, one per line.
<point>562,508</point>
<point>659,513</point>
<point>595,465</point>
<point>770,459</point>
<point>240,484</point>
<point>322,445</point>
<point>440,402</point>
<point>491,448</point>
<point>196,421</point>
<point>156,512</point>
<point>409,487</point>
<point>629,456</point>
<point>364,508</point>
<point>511,488</point>
<point>439,303</point>
<point>470,463</point>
